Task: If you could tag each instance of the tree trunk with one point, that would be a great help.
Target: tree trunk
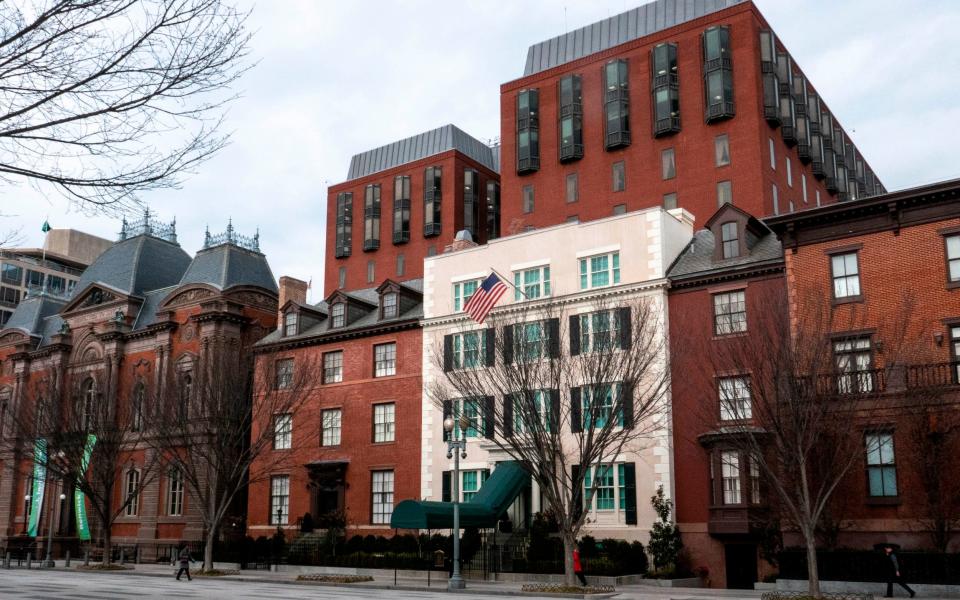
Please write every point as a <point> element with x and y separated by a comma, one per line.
<point>208,550</point>
<point>813,576</point>
<point>107,546</point>
<point>569,543</point>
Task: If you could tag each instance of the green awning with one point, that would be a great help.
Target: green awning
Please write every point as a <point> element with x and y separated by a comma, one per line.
<point>483,510</point>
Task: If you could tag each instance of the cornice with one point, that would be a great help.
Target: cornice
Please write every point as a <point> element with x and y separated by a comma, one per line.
<point>711,277</point>
<point>335,336</point>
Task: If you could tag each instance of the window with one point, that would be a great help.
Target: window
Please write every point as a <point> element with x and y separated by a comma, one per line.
<point>5,317</point>
<point>853,359</point>
<point>721,150</point>
<point>338,315</point>
<point>527,406</point>
<point>803,187</point>
<point>467,349</point>
<point>528,136</point>
<point>342,278</point>
<point>344,223</point>
<point>954,355</point>
<point>401,209</point>
<point>953,257</point>
<point>729,313</point>
<point>531,283</point>
<point>186,394</point>
<point>571,118</point>
<point>605,487</point>
<point>724,193</point>
<point>818,197</point>
<point>431,201</point>
<point>527,199</point>
<point>34,279</point>
<point>776,200</point>
<point>493,210</point>
<point>530,340</point>
<point>132,493</point>
<point>668,166</point>
<point>174,493</point>
<point>391,308</point>
<point>619,209</point>
<point>381,491</point>
<point>330,424</point>
<point>754,481</point>
<point>881,465</point>
<point>290,323</point>
<point>729,236</point>
<point>11,274</point>
<point>471,202</point>
<point>383,422</point>
<point>282,432</point>
<point>572,192</point>
<point>333,367</point>
<point>9,296</point>
<point>619,176</point>
<point>599,331</point>
<point>718,74</point>
<point>730,476</point>
<point>846,275</point>
<point>385,359</point>
<point>400,265</point>
<point>371,217</point>
<point>789,171</point>
<point>735,399</point>
<point>371,271</point>
<point>666,90</point>
<point>670,201</point>
<point>56,285</point>
<point>88,396</point>
<point>598,402</point>
<point>616,104</point>
<point>599,271</point>
<point>462,292</point>
<point>136,407</point>
<point>279,499</point>
<point>773,154</point>
<point>472,481</point>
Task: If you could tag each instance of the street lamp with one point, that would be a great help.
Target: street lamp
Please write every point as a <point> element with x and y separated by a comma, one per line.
<point>49,562</point>
<point>456,449</point>
<point>26,513</point>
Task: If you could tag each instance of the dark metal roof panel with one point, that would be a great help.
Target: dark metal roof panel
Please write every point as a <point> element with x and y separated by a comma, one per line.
<point>428,143</point>
<point>229,265</point>
<point>635,23</point>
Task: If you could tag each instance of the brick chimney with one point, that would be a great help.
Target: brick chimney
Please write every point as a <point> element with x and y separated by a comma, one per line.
<point>462,241</point>
<point>294,289</point>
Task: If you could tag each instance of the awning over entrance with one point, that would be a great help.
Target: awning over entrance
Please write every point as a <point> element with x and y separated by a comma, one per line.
<point>483,510</point>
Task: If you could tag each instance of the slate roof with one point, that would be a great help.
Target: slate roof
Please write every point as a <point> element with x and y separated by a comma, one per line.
<point>228,265</point>
<point>33,310</point>
<point>422,145</point>
<point>370,319</point>
<point>618,29</point>
<point>697,258</point>
<point>151,303</point>
<point>136,265</point>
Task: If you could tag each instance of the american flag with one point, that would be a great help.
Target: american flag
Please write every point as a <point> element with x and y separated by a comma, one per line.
<point>484,299</point>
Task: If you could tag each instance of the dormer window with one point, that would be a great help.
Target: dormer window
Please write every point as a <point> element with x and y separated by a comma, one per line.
<point>338,315</point>
<point>290,324</point>
<point>390,306</point>
<point>730,239</point>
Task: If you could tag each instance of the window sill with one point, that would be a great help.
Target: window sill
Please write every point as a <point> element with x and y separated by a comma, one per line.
<point>883,501</point>
<point>390,443</point>
<point>848,300</point>
<point>953,285</point>
<point>730,336</point>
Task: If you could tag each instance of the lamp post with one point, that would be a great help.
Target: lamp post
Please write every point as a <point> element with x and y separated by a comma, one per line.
<point>456,449</point>
<point>49,561</point>
<point>26,513</point>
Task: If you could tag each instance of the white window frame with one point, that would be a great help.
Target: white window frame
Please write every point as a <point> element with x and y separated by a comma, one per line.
<point>789,171</point>
<point>731,491</point>
<point>461,352</point>
<point>385,359</point>
<point>279,499</point>
<point>527,348</point>
<point>586,270</point>
<point>773,155</point>
<point>394,305</point>
<point>533,283</point>
<point>463,291</point>
<point>283,431</point>
<point>803,187</point>
<point>333,366</point>
<point>606,409</point>
<point>735,398</point>
<point>845,275</point>
<point>381,496</point>
<point>384,422</point>
<point>477,477</point>
<point>617,492</point>
<point>589,342</point>
<point>882,459</point>
<point>952,253</point>
<point>331,427</point>
<point>541,404</point>
<point>284,373</point>
<point>729,312</point>
<point>174,493</point>
<point>132,489</point>
<point>338,315</point>
<point>290,323</point>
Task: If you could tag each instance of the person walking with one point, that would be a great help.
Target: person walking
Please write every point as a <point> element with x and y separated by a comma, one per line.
<point>185,560</point>
<point>577,567</point>
<point>893,573</point>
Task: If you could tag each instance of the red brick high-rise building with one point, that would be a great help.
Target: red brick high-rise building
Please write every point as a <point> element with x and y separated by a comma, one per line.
<point>687,104</point>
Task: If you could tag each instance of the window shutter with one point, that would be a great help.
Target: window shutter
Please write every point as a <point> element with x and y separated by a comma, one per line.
<point>576,490</point>
<point>446,496</point>
<point>553,338</point>
<point>447,352</point>
<point>576,411</point>
<point>626,403</point>
<point>489,341</point>
<point>447,412</point>
<point>554,421</point>
<point>489,417</point>
<point>508,415</point>
<point>484,475</point>
<point>508,344</point>
<point>630,489</point>
<point>574,335</point>
<point>626,327</point>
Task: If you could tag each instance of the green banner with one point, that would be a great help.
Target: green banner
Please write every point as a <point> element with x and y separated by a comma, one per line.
<point>79,500</point>
<point>39,482</point>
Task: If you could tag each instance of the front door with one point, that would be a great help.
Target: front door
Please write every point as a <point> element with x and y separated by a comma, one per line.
<point>741,562</point>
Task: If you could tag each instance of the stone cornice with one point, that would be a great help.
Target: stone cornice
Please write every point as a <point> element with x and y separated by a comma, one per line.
<point>335,336</point>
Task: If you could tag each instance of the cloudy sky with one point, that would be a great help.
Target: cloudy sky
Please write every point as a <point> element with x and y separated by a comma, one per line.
<point>335,78</point>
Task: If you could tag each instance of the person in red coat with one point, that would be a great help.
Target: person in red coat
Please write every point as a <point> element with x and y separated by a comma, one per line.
<point>577,567</point>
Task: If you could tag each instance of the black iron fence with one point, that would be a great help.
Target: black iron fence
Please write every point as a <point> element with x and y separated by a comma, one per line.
<point>871,565</point>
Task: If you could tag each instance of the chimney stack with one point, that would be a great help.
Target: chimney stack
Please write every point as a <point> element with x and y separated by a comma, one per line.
<point>294,289</point>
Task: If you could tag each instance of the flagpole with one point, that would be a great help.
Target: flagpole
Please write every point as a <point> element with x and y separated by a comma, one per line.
<point>508,282</point>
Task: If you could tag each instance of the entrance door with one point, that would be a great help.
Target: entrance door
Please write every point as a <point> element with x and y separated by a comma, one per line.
<point>741,563</point>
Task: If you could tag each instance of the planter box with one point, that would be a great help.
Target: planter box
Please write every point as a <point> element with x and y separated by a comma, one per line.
<point>766,587</point>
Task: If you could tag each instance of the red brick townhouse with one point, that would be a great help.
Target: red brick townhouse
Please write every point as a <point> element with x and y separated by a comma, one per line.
<point>355,440</point>
<point>688,104</point>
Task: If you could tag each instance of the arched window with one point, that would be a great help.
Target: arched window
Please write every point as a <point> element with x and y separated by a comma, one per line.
<point>133,492</point>
<point>136,406</point>
<point>88,399</point>
<point>186,392</point>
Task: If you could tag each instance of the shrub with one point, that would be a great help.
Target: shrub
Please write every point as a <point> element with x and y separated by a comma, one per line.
<point>665,543</point>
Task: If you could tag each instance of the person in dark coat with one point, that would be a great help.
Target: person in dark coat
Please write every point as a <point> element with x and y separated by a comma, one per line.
<point>893,573</point>
<point>185,560</point>
<point>577,567</point>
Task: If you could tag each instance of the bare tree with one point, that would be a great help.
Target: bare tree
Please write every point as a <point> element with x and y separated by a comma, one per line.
<point>90,443</point>
<point>227,416</point>
<point>104,99</point>
<point>567,393</point>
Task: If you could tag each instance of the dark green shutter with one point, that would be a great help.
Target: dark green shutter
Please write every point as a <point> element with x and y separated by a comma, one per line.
<point>447,412</point>
<point>574,335</point>
<point>508,344</point>
<point>576,411</point>
<point>508,415</point>
<point>489,342</point>
<point>489,417</point>
<point>553,338</point>
<point>626,403</point>
<point>447,352</point>
<point>446,487</point>
<point>576,491</point>
<point>554,421</point>
<point>626,327</point>
<point>630,489</point>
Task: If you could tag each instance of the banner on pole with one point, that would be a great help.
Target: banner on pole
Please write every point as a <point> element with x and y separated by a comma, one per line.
<point>79,500</point>
<point>39,482</point>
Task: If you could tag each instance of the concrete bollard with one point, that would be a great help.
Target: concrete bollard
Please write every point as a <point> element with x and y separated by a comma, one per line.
<point>121,556</point>
<point>29,559</point>
<point>86,557</point>
<point>67,560</point>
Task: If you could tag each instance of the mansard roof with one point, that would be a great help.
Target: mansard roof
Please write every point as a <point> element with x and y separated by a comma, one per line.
<point>33,312</point>
<point>136,265</point>
<point>227,265</point>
